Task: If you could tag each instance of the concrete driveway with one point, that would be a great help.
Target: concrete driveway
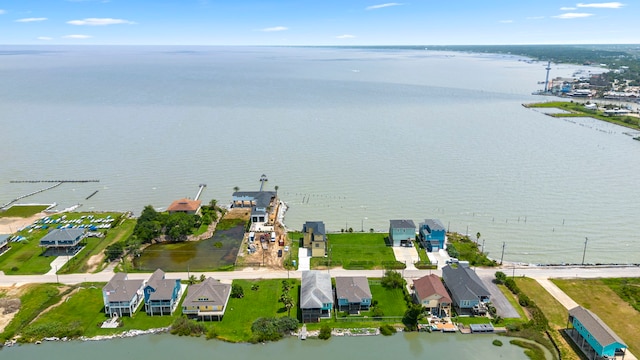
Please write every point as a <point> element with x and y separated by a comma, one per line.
<point>304,260</point>
<point>407,255</point>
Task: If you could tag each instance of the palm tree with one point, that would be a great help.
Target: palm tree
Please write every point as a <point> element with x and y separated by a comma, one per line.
<point>477,237</point>
<point>236,189</point>
<point>287,301</point>
<point>276,187</point>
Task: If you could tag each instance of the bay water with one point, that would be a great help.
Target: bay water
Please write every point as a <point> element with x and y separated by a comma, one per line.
<point>353,137</point>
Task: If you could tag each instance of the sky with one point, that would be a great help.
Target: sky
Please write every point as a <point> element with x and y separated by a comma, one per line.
<point>318,22</point>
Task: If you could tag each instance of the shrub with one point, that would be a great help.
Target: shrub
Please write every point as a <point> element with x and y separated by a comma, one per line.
<point>377,313</point>
<point>212,333</point>
<point>392,280</point>
<point>497,342</point>
<point>237,291</point>
<point>325,332</point>
<point>387,330</point>
<point>500,277</point>
<point>270,329</point>
<point>185,327</point>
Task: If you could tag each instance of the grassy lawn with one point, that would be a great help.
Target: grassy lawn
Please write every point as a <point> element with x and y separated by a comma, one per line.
<point>469,320</point>
<point>463,248</point>
<point>513,301</point>
<point>241,313</point>
<point>357,251</point>
<point>34,300</point>
<point>95,246</point>
<point>553,311</point>
<point>391,301</point>
<point>598,297</point>
<point>578,110</point>
<point>26,258</point>
<point>23,211</point>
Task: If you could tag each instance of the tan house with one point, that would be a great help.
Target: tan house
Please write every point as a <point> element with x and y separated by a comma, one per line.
<point>429,291</point>
<point>207,300</point>
<point>186,206</point>
<point>315,238</point>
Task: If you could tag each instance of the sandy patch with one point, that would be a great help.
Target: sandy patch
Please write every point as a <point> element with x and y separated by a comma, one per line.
<point>94,262</point>
<point>10,225</point>
<point>9,305</point>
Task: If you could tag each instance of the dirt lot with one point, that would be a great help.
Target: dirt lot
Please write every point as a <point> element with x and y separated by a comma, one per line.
<point>9,305</point>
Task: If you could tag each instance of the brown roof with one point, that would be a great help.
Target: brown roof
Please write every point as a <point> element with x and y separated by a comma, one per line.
<point>430,285</point>
<point>184,205</point>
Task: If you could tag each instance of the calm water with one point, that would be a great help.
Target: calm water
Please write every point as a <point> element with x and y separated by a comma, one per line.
<point>354,137</point>
<point>400,346</point>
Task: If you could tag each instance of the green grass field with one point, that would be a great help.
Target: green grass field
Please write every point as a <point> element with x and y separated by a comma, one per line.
<point>23,211</point>
<point>578,110</point>
<point>241,313</point>
<point>26,257</point>
<point>357,251</point>
<point>598,297</point>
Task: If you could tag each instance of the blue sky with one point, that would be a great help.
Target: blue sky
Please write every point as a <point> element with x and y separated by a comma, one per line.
<point>317,22</point>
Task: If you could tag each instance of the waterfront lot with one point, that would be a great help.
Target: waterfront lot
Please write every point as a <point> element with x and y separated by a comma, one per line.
<point>598,297</point>
<point>22,211</point>
<point>357,251</point>
<point>27,257</point>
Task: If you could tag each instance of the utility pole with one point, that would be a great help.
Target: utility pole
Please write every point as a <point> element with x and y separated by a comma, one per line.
<point>482,246</point>
<point>586,239</point>
<point>502,256</point>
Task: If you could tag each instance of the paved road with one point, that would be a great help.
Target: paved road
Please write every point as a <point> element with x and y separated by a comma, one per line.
<point>502,305</point>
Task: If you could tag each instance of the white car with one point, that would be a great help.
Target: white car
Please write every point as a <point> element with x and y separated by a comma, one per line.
<point>286,248</point>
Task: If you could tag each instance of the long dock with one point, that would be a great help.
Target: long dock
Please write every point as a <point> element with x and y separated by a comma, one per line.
<point>202,186</point>
<point>52,181</point>
<point>30,194</point>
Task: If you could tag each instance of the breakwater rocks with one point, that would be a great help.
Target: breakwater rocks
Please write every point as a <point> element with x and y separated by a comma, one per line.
<point>126,334</point>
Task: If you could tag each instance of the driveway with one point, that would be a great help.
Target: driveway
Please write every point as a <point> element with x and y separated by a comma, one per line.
<point>304,260</point>
<point>407,255</point>
<point>502,305</point>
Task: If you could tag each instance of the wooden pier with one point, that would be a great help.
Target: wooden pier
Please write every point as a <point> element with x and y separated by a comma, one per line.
<point>52,181</point>
<point>202,186</point>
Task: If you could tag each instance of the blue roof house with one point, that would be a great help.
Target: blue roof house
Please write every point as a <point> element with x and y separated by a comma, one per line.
<point>161,295</point>
<point>401,232</point>
<point>593,336</point>
<point>432,235</point>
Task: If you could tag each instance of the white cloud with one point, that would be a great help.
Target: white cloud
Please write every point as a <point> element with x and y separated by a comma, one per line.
<point>275,28</point>
<point>77,36</point>
<point>25,20</point>
<point>99,22</point>
<point>572,15</point>
<point>607,5</point>
<point>506,21</point>
<point>345,36</point>
<point>380,6</point>
<point>3,11</point>
<point>44,38</point>
<point>567,8</point>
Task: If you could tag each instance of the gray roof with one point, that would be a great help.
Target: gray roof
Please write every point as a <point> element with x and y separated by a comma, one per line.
<point>211,289</point>
<point>4,239</point>
<point>262,198</point>
<point>353,288</point>
<point>596,327</point>
<point>402,224</point>
<point>463,283</point>
<point>162,288</point>
<point>316,226</point>
<point>315,289</point>
<point>63,235</point>
<point>433,224</point>
<point>119,288</point>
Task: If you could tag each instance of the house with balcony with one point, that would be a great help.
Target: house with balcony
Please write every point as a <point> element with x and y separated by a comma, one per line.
<point>122,296</point>
<point>207,300</point>
<point>315,238</point>
<point>402,232</point>
<point>353,294</point>
<point>468,293</point>
<point>161,295</point>
<point>432,235</point>
<point>429,291</point>
<point>595,339</point>
<point>187,206</point>
<point>260,203</point>
<point>316,296</point>
<point>63,241</point>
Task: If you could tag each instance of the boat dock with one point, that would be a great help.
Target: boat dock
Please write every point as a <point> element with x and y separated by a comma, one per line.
<point>52,181</point>
<point>303,332</point>
<point>202,186</point>
<point>30,194</point>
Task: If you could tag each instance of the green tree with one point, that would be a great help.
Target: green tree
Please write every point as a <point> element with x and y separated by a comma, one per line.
<point>237,291</point>
<point>114,251</point>
<point>286,286</point>
<point>202,277</point>
<point>478,236</point>
<point>179,225</point>
<point>236,189</point>
<point>325,332</point>
<point>392,280</point>
<point>412,316</point>
<point>287,301</point>
<point>192,280</point>
<point>500,277</point>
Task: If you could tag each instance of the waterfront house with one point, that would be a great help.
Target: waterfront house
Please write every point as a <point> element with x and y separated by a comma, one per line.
<point>186,206</point>
<point>401,232</point>
<point>122,296</point>
<point>432,235</point>
<point>353,294</point>
<point>63,241</point>
<point>4,243</point>
<point>315,238</point>
<point>260,202</point>
<point>316,296</point>
<point>207,300</point>
<point>429,291</point>
<point>593,336</point>
<point>161,295</point>
<point>467,290</point>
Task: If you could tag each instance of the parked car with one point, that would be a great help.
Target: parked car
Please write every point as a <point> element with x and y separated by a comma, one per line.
<point>286,248</point>
<point>279,252</point>
<point>451,261</point>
